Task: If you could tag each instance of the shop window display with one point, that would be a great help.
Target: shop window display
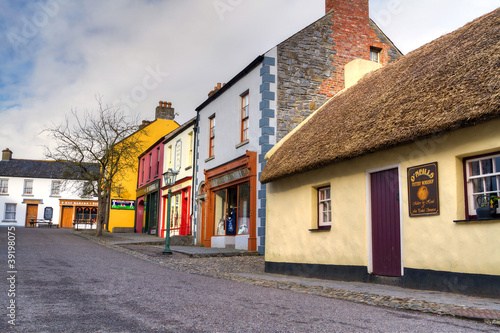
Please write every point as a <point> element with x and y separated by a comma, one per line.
<point>232,210</point>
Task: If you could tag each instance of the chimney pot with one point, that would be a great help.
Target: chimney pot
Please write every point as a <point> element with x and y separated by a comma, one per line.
<point>169,105</point>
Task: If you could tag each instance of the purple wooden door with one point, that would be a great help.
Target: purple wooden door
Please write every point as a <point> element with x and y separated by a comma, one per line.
<point>386,235</point>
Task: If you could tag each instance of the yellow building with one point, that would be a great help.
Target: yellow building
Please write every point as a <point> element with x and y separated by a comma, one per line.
<point>386,182</point>
<point>123,196</point>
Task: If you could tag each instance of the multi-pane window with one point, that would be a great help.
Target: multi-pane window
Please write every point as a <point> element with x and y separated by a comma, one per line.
<point>244,117</point>
<point>28,187</point>
<point>483,181</point>
<point>4,186</point>
<point>142,171</point>
<point>190,154</point>
<point>10,212</point>
<point>374,54</point>
<point>212,136</point>
<point>150,163</point>
<point>157,161</point>
<point>55,188</point>
<point>324,207</point>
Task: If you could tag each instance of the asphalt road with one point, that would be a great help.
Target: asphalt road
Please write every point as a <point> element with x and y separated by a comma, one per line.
<point>64,283</point>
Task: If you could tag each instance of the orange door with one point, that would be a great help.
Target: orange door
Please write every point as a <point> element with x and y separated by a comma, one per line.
<point>31,214</point>
<point>67,217</point>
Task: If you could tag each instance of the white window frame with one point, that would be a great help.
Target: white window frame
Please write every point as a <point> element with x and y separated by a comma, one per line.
<point>10,212</point>
<point>322,202</point>
<point>4,186</point>
<point>26,188</point>
<point>55,188</point>
<point>190,153</point>
<point>375,54</point>
<point>471,195</point>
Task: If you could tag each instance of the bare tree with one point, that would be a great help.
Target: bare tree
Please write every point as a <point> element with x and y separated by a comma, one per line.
<point>103,138</point>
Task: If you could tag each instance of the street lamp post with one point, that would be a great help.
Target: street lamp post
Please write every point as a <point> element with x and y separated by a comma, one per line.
<point>168,180</point>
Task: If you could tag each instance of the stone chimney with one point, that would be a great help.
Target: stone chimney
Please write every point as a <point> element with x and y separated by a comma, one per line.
<point>165,111</point>
<point>6,154</point>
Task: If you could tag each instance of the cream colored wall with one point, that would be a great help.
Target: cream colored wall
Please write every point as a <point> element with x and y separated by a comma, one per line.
<point>356,69</point>
<point>429,242</point>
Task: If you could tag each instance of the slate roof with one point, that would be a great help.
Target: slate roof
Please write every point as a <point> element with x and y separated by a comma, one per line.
<point>450,83</point>
<point>40,169</point>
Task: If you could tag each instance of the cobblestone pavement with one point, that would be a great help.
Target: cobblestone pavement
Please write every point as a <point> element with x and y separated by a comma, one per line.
<point>236,267</point>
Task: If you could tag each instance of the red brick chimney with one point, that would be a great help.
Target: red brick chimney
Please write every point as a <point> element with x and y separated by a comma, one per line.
<point>353,37</point>
<point>350,7</point>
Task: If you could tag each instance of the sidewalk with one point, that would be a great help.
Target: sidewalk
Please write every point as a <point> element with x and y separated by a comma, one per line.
<point>441,303</point>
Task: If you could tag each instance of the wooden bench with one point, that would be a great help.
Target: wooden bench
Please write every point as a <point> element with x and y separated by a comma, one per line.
<point>77,223</point>
<point>36,223</point>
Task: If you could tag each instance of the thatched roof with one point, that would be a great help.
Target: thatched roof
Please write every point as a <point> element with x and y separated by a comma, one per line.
<point>450,83</point>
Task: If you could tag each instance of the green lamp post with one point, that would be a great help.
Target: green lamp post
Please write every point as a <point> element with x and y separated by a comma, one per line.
<point>168,180</point>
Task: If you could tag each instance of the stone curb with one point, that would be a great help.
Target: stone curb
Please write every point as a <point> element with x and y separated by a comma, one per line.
<point>487,316</point>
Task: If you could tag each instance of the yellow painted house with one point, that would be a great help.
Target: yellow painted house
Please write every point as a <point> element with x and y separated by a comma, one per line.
<point>123,196</point>
<point>397,178</point>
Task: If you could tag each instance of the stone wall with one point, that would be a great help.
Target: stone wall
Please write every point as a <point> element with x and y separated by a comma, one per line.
<point>311,63</point>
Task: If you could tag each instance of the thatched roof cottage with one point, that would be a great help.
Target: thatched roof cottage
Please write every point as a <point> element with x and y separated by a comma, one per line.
<point>388,179</point>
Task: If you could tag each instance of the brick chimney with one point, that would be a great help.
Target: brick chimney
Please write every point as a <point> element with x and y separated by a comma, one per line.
<point>216,88</point>
<point>165,111</point>
<point>6,155</point>
<point>351,8</point>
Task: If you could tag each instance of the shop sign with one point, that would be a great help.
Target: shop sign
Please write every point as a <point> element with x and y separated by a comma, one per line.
<point>229,177</point>
<point>122,204</point>
<point>423,190</point>
<point>32,202</point>
<point>148,189</point>
<point>179,186</point>
<point>79,203</point>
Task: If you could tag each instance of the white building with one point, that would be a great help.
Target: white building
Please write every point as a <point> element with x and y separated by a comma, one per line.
<point>39,190</point>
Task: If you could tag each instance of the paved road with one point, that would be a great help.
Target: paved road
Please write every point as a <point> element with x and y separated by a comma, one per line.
<point>68,284</point>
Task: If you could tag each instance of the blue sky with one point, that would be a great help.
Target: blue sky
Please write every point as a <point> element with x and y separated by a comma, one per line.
<point>57,55</point>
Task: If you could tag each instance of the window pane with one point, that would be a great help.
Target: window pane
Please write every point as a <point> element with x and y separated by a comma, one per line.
<point>244,208</point>
<point>474,168</point>
<point>478,185</point>
<point>220,208</point>
<point>491,183</point>
<point>487,166</point>
<point>4,186</point>
<point>497,164</point>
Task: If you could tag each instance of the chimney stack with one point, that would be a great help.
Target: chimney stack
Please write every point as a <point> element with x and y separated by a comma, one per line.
<point>349,9</point>
<point>6,155</point>
<point>165,111</point>
<point>216,88</point>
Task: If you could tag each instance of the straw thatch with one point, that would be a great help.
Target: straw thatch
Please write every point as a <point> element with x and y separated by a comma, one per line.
<point>450,83</point>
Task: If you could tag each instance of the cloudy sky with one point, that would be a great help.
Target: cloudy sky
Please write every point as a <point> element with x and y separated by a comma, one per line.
<point>57,55</point>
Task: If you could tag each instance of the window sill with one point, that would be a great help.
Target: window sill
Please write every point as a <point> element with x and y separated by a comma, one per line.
<point>4,194</point>
<point>187,168</point>
<point>322,229</point>
<point>9,221</point>
<point>241,144</point>
<point>28,195</point>
<point>496,219</point>
<point>209,159</point>
<point>55,196</point>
